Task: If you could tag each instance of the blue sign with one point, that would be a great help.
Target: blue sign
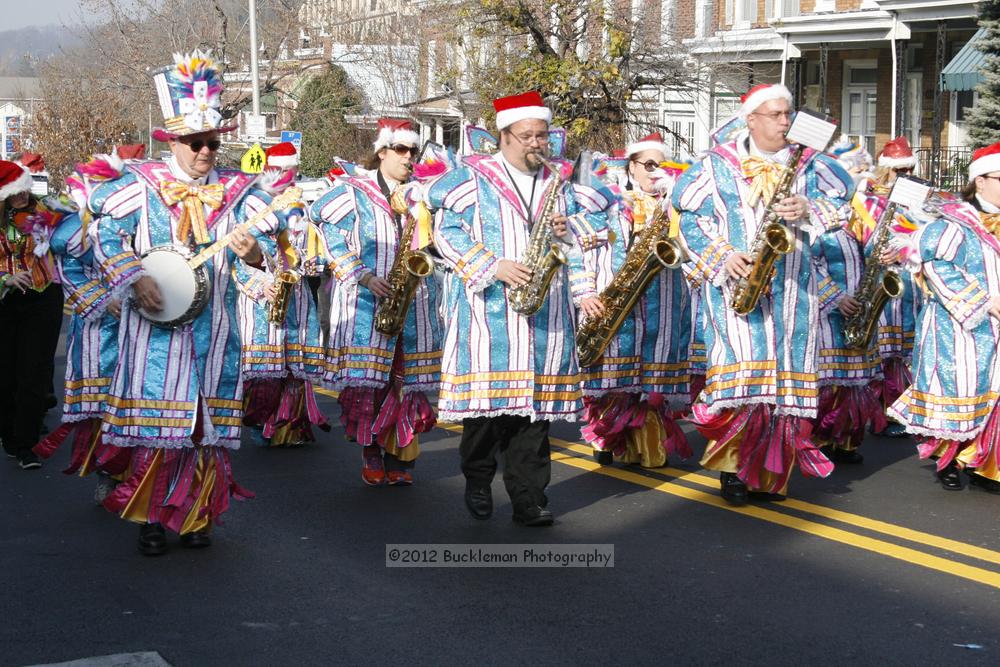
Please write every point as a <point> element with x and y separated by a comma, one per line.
<point>292,137</point>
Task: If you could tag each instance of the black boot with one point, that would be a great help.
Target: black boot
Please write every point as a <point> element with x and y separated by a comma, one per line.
<point>734,491</point>
<point>152,539</point>
<point>949,478</point>
<point>604,457</point>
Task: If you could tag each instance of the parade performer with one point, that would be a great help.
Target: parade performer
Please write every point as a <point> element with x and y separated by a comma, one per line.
<point>92,339</point>
<point>849,388</point>
<point>382,379</point>
<point>30,312</point>
<point>643,373</point>
<point>505,374</point>
<point>761,388</point>
<point>897,326</point>
<point>176,395</point>
<point>282,359</point>
<point>951,405</point>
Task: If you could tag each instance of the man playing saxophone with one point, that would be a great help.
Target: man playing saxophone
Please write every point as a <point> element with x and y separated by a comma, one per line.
<point>761,384</point>
<point>632,388</point>
<point>506,374</point>
<point>382,379</point>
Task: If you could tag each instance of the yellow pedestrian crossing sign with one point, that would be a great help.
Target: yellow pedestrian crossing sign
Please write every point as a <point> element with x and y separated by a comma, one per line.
<point>252,161</point>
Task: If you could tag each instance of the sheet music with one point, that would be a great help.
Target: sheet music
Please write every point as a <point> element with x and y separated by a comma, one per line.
<point>909,191</point>
<point>811,129</point>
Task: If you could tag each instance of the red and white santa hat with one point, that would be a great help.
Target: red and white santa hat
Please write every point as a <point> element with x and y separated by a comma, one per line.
<point>897,154</point>
<point>520,107</point>
<point>392,131</point>
<point>14,179</point>
<point>282,156</point>
<point>33,162</point>
<point>649,142</point>
<point>984,161</point>
<point>763,92</point>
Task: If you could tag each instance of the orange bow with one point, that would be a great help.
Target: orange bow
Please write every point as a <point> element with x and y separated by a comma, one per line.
<point>193,215</point>
<point>764,177</point>
<point>991,221</point>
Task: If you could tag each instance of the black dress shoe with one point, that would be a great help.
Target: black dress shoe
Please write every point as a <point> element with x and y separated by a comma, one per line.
<point>766,496</point>
<point>734,491</point>
<point>533,515</point>
<point>196,540</point>
<point>479,500</point>
<point>949,478</point>
<point>152,539</point>
<point>847,456</point>
<point>604,457</point>
<point>984,483</point>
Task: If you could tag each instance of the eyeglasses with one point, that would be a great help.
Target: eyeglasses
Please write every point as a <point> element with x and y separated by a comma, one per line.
<point>540,139</point>
<point>403,149</point>
<point>775,115</point>
<point>648,165</point>
<point>903,170</point>
<point>991,177</point>
<point>198,144</point>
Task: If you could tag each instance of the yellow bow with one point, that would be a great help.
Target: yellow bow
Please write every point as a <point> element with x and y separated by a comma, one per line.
<point>643,206</point>
<point>764,177</point>
<point>192,215</point>
<point>991,221</point>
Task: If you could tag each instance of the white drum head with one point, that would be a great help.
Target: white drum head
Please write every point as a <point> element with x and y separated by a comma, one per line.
<point>174,277</point>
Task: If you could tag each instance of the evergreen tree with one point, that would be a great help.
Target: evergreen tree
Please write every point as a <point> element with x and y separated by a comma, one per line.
<point>984,119</point>
<point>323,102</point>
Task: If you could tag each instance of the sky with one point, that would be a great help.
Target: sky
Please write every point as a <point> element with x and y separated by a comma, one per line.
<point>20,14</point>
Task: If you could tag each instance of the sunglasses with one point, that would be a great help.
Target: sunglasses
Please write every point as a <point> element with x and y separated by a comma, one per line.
<point>198,144</point>
<point>649,165</point>
<point>903,170</point>
<point>403,149</point>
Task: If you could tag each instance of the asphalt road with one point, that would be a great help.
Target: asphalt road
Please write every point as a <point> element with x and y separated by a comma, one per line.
<point>874,565</point>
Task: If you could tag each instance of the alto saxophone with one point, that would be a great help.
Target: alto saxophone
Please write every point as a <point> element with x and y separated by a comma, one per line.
<point>284,280</point>
<point>650,252</point>
<point>773,240</point>
<point>875,289</point>
<point>543,256</point>
<point>409,267</point>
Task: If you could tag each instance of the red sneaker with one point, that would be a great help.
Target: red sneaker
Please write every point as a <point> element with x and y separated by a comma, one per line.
<point>372,469</point>
<point>400,478</point>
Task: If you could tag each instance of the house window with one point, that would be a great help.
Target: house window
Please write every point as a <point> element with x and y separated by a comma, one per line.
<point>859,101</point>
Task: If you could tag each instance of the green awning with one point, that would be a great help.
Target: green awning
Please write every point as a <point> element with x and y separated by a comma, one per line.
<point>964,70</point>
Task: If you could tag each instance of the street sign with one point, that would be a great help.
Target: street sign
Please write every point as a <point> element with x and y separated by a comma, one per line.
<point>252,161</point>
<point>293,138</point>
<point>256,126</point>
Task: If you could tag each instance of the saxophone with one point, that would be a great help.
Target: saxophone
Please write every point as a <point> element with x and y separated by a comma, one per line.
<point>650,252</point>
<point>277,309</point>
<point>409,267</point>
<point>875,288</point>
<point>543,256</point>
<point>773,240</point>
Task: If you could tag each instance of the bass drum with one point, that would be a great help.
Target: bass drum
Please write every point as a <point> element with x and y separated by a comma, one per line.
<point>184,290</point>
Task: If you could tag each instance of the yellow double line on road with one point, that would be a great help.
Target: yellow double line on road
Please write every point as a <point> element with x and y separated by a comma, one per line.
<point>678,483</point>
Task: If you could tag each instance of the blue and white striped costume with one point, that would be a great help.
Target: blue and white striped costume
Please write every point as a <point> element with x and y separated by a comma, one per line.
<point>497,362</point>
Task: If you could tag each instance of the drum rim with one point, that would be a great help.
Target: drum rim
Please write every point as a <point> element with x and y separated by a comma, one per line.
<point>201,294</point>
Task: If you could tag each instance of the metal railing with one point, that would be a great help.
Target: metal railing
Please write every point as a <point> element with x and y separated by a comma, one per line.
<point>947,169</point>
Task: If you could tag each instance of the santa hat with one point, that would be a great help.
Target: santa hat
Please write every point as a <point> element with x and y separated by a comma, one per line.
<point>33,162</point>
<point>897,154</point>
<point>131,151</point>
<point>14,179</point>
<point>649,142</point>
<point>282,156</point>
<point>520,107</point>
<point>392,131</point>
<point>763,92</point>
<point>984,161</point>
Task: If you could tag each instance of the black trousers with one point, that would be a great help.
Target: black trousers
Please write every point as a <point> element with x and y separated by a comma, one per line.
<point>527,467</point>
<point>29,333</point>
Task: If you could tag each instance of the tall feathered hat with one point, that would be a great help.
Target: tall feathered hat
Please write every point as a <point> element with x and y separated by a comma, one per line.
<point>190,96</point>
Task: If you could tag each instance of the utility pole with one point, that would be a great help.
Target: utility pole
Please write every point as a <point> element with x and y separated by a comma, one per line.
<point>254,74</point>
